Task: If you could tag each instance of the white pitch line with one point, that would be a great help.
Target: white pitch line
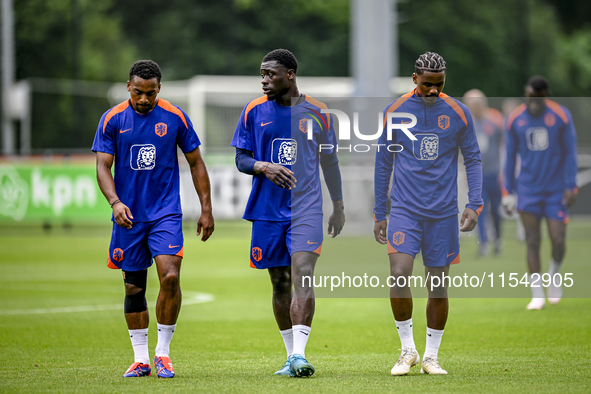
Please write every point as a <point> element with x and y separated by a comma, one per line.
<point>195,298</point>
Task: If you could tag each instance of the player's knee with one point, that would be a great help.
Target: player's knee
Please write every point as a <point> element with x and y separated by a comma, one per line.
<point>170,281</point>
<point>558,247</point>
<point>558,239</point>
<point>533,240</point>
<point>281,283</point>
<point>558,243</point>
<point>397,272</point>
<point>303,271</point>
<point>131,290</point>
<point>135,291</point>
<point>437,292</point>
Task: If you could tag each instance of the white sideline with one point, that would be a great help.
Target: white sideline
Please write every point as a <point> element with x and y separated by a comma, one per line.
<point>193,298</point>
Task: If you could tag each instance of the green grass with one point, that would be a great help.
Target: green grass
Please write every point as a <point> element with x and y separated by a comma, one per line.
<point>232,343</point>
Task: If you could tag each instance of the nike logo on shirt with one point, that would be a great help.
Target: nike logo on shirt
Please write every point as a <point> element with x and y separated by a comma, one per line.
<point>171,246</point>
<point>451,254</point>
<point>264,124</point>
<point>123,131</point>
<point>312,243</point>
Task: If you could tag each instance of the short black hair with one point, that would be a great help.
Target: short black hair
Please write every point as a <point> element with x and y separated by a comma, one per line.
<point>539,84</point>
<point>145,69</point>
<point>429,62</point>
<point>283,57</point>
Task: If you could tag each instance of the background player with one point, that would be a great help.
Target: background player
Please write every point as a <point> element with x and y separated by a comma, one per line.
<point>488,126</point>
<point>271,141</point>
<point>543,134</point>
<point>423,215</point>
<point>143,133</point>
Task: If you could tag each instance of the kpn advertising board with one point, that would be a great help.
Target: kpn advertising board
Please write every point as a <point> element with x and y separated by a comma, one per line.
<point>33,193</point>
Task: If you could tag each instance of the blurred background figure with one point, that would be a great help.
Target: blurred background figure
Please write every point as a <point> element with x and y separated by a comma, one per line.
<point>542,133</point>
<point>488,125</point>
<point>509,104</point>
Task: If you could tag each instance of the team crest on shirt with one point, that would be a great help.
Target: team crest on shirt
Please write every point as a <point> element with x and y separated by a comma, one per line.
<point>143,157</point>
<point>426,147</point>
<point>304,125</point>
<point>257,254</point>
<point>118,254</point>
<point>398,238</point>
<point>284,151</point>
<point>549,120</point>
<point>161,129</point>
<point>537,138</point>
<point>443,122</point>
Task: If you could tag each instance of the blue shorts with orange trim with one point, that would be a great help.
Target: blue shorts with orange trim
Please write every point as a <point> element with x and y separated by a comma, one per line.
<point>133,249</point>
<point>437,239</point>
<point>273,243</point>
<point>549,206</point>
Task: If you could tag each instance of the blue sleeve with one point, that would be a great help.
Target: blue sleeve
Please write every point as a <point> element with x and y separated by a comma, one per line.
<point>471,153</point>
<point>510,159</point>
<point>383,171</point>
<point>242,136</point>
<point>569,144</point>
<point>104,139</point>
<point>187,138</point>
<point>245,161</point>
<point>332,175</point>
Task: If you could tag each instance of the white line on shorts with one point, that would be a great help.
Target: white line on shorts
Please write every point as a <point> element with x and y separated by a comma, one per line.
<point>189,298</point>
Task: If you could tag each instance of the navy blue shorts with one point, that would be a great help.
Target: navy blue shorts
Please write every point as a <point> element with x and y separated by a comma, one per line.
<point>437,239</point>
<point>133,249</point>
<point>273,243</point>
<point>549,206</point>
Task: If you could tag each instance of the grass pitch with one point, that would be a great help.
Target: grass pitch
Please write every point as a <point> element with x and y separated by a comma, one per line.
<point>62,327</point>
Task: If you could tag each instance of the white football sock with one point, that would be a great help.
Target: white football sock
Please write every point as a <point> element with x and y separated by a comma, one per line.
<point>165,334</point>
<point>554,267</point>
<point>301,334</point>
<point>433,342</point>
<point>139,341</point>
<point>537,290</point>
<point>288,340</point>
<point>405,333</point>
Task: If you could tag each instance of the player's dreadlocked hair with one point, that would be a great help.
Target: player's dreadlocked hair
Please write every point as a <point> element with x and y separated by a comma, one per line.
<point>283,57</point>
<point>145,69</point>
<point>429,62</point>
<point>539,84</point>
